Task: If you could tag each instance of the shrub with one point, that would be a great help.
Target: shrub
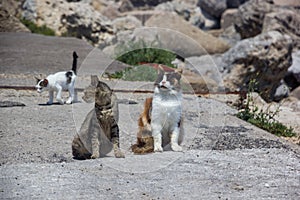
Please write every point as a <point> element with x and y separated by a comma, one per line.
<point>135,53</point>
<point>44,30</point>
<point>140,73</point>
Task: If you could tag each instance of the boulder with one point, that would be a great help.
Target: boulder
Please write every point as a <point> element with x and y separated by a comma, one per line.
<point>235,3</point>
<point>172,24</point>
<point>146,3</point>
<point>188,11</point>
<point>294,3</point>
<point>292,78</point>
<point>214,8</point>
<point>194,83</point>
<point>264,58</point>
<point>285,21</point>
<point>250,17</point>
<point>206,65</point>
<point>9,23</point>
<point>281,92</point>
<point>126,23</point>
<point>78,19</point>
<point>228,18</point>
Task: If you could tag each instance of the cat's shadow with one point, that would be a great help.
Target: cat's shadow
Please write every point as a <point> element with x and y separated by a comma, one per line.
<point>56,103</point>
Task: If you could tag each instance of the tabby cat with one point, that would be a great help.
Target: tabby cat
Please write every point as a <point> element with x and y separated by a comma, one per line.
<point>99,133</point>
<point>160,124</point>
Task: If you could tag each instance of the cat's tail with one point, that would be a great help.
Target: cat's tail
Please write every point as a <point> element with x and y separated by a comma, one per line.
<point>78,149</point>
<point>74,65</point>
<point>143,146</point>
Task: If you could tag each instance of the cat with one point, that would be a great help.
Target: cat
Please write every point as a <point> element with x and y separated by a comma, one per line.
<point>58,82</point>
<point>161,123</point>
<point>99,133</point>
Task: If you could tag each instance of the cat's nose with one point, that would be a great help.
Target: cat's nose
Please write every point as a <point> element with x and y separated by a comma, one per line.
<point>163,82</point>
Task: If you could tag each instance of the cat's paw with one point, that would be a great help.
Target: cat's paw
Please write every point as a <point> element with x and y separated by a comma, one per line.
<point>49,103</point>
<point>60,101</point>
<point>158,148</point>
<point>94,156</point>
<point>69,102</point>
<point>119,154</point>
<point>176,147</point>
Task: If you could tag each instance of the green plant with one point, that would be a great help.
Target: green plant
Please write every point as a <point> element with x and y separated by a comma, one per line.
<point>140,73</point>
<point>44,30</point>
<point>264,119</point>
<point>135,53</point>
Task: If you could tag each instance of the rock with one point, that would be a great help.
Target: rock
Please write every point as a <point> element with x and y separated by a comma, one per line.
<point>251,15</point>
<point>295,3</point>
<point>142,15</point>
<point>281,92</point>
<point>198,84</point>
<point>126,6</point>
<point>9,23</point>
<point>78,19</point>
<point>296,93</point>
<point>265,58</point>
<point>189,12</point>
<point>228,18</point>
<point>210,44</point>
<point>214,8</point>
<point>126,23</point>
<point>292,78</point>
<point>235,3</point>
<point>285,21</point>
<point>206,65</point>
<point>146,3</point>
<point>230,35</point>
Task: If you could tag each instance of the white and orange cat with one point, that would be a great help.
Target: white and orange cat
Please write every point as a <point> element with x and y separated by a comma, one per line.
<point>161,123</point>
<point>58,82</point>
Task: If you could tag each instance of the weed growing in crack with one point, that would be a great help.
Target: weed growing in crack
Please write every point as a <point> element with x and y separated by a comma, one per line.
<point>264,119</point>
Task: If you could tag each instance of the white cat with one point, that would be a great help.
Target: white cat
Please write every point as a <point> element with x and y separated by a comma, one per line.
<point>166,122</point>
<point>58,82</point>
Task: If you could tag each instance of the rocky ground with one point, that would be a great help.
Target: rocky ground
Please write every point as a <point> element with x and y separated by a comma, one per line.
<point>223,156</point>
<point>227,42</point>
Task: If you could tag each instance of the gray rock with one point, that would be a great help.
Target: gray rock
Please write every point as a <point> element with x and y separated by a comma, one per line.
<point>228,18</point>
<point>214,8</point>
<point>251,15</point>
<point>77,19</point>
<point>201,40</point>
<point>187,11</point>
<point>292,77</point>
<point>258,58</point>
<point>126,23</point>
<point>285,21</point>
<point>235,3</point>
<point>281,92</point>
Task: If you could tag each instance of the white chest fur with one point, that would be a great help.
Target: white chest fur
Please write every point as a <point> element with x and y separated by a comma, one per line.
<point>166,112</point>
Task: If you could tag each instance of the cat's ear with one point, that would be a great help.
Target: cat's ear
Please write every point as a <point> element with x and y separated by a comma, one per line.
<point>45,82</point>
<point>179,71</point>
<point>37,79</point>
<point>94,80</point>
<point>160,69</point>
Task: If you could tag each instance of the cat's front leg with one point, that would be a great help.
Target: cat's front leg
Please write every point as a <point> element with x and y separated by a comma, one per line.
<point>71,96</point>
<point>58,96</point>
<point>174,140</point>
<point>117,151</point>
<point>95,149</point>
<point>50,98</point>
<point>157,140</point>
